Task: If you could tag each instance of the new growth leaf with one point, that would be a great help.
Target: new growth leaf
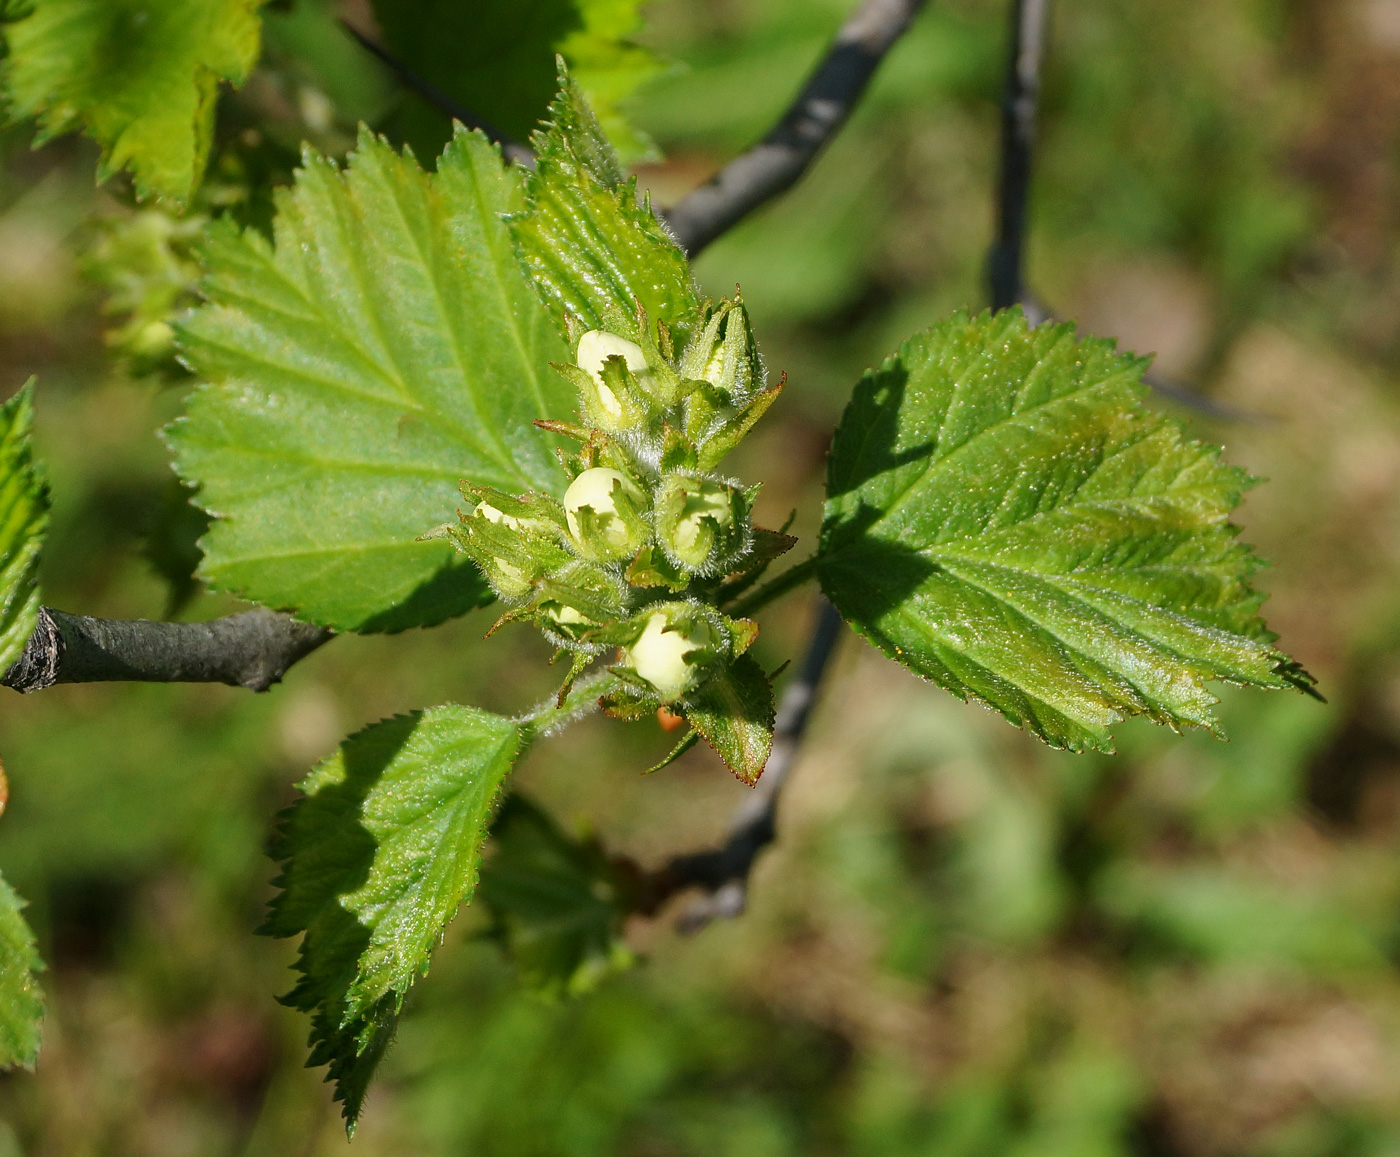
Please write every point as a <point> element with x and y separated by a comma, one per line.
<point>1006,519</point>
<point>376,860</point>
<point>384,349</point>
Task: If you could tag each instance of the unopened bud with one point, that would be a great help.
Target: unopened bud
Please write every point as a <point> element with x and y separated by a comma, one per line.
<point>701,523</point>
<point>613,527</point>
<point>594,349</point>
<point>659,655</point>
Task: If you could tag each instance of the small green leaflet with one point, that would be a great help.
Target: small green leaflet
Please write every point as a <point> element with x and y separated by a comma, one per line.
<point>1005,519</point>
<point>376,860</point>
<point>385,349</point>
<point>497,59</point>
<point>21,1002</point>
<point>594,252</point>
<point>140,77</point>
<point>557,903</point>
<point>24,516</point>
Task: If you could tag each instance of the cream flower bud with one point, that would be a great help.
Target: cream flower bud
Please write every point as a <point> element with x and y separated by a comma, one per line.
<point>595,489</point>
<point>594,348</point>
<point>658,656</point>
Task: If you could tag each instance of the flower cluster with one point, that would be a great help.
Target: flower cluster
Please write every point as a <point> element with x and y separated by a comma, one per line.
<point>647,541</point>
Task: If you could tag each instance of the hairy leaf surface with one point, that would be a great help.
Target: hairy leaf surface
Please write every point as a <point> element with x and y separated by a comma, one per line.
<point>387,347</point>
<point>21,1002</point>
<point>594,252</point>
<point>24,516</point>
<point>140,77</point>
<point>1004,518</point>
<point>376,859</point>
<point>497,59</point>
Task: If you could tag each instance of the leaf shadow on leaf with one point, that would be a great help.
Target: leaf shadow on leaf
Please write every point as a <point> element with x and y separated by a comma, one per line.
<point>454,590</point>
<point>334,855</point>
<point>870,577</point>
<point>875,410</point>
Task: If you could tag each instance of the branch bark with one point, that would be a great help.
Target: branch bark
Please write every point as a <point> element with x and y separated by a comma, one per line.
<point>723,873</point>
<point>774,164</point>
<point>1020,109</point>
<point>252,650</point>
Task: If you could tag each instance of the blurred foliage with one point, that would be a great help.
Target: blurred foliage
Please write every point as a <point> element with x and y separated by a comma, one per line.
<point>962,945</point>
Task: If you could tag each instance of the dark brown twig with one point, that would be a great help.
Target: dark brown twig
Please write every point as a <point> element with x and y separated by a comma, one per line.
<point>1020,108</point>
<point>774,164</point>
<point>252,650</point>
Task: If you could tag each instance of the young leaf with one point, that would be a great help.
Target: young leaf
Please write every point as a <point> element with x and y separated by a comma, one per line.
<point>497,59</point>
<point>385,349</point>
<point>557,902</point>
<point>140,77</point>
<point>21,1002</point>
<point>733,710</point>
<point>1005,519</point>
<point>24,516</point>
<point>594,252</point>
<point>376,859</point>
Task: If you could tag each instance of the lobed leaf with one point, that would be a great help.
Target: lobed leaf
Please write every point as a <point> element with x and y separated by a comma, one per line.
<point>497,59</point>
<point>376,860</point>
<point>594,253</point>
<point>1005,519</point>
<point>21,1002</point>
<point>24,517</point>
<point>385,348</point>
<point>140,77</point>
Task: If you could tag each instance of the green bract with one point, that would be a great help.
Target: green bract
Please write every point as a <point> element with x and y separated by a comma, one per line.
<point>386,348</point>
<point>379,855</point>
<point>1005,519</point>
<point>141,77</point>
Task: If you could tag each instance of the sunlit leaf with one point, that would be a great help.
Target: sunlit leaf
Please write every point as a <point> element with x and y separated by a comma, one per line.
<point>141,77</point>
<point>594,251</point>
<point>386,348</point>
<point>376,860</point>
<point>1005,518</point>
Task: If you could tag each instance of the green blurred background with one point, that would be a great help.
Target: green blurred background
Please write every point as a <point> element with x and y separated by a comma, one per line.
<point>963,944</point>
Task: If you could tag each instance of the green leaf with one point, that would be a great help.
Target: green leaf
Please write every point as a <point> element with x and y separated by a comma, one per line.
<point>592,250</point>
<point>386,348</point>
<point>376,859</point>
<point>733,710</point>
<point>1005,519</point>
<point>497,59</point>
<point>558,903</point>
<point>24,517</point>
<point>140,77</point>
<point>21,1002</point>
